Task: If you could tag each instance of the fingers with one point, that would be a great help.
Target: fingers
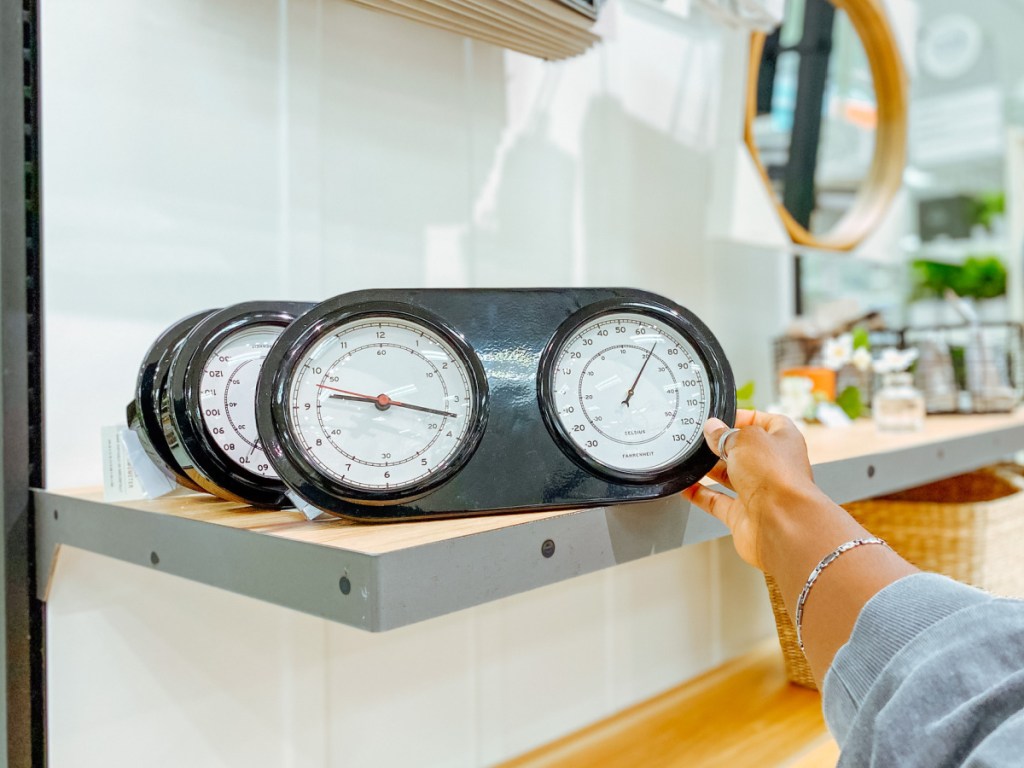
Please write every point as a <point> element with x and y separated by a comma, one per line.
<point>748,418</point>
<point>720,474</point>
<point>713,431</point>
<point>772,423</point>
<point>714,503</point>
<point>756,422</point>
<point>769,422</point>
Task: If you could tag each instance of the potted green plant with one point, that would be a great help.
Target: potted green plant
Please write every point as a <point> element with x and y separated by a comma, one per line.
<point>981,278</point>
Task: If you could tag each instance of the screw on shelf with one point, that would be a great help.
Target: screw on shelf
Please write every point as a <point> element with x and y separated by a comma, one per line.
<point>344,585</point>
<point>154,558</point>
<point>547,548</point>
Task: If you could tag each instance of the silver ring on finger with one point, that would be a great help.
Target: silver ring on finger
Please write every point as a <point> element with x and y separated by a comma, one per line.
<point>723,450</point>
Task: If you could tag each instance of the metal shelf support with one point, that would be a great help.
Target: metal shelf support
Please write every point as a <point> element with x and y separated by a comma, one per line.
<point>20,382</point>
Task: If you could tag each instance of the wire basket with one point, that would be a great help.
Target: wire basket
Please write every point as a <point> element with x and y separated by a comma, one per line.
<point>959,368</point>
<point>969,369</point>
<point>795,353</point>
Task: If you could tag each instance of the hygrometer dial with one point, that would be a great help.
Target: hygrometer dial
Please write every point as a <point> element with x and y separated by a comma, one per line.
<point>377,403</point>
<point>144,416</point>
<point>626,388</point>
<point>210,420</point>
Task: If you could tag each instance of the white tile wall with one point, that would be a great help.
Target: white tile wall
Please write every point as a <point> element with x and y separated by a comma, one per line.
<point>542,663</point>
<point>149,669</point>
<point>671,626</point>
<point>744,611</point>
<point>406,697</point>
<point>202,153</point>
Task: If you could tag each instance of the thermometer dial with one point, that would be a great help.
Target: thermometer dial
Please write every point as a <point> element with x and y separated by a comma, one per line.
<point>626,391</point>
<point>211,402</point>
<point>377,404</point>
<point>227,396</point>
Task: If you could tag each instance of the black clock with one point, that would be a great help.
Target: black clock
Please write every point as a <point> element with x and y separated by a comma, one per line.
<point>208,413</point>
<point>143,412</point>
<point>406,404</point>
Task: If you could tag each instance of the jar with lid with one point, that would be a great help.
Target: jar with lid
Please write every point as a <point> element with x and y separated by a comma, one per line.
<point>897,406</point>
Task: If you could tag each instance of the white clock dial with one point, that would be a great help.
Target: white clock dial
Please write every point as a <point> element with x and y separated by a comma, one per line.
<point>630,392</point>
<point>381,403</point>
<point>228,396</point>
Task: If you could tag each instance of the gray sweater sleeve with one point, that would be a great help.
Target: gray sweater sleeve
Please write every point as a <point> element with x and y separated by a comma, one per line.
<point>932,676</point>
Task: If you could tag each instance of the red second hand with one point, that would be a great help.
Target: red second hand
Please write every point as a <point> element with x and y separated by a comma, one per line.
<point>381,398</point>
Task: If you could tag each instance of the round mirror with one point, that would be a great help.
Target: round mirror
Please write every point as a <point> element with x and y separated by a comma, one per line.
<point>826,119</point>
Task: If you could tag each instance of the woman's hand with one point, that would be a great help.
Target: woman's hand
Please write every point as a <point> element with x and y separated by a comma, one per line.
<point>769,471</point>
<point>783,524</point>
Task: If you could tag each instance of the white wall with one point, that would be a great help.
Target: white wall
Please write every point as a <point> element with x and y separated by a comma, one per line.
<point>199,153</point>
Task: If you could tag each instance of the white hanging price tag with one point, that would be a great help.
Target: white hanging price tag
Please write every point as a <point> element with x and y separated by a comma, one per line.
<point>128,473</point>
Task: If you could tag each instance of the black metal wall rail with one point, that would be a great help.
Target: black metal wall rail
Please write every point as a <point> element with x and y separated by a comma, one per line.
<point>21,417</point>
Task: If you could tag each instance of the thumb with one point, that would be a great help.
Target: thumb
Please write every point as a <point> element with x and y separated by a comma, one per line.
<point>713,429</point>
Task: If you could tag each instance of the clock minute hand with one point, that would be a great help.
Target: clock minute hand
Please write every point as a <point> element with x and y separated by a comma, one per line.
<point>383,402</point>
<point>632,389</point>
<point>412,407</point>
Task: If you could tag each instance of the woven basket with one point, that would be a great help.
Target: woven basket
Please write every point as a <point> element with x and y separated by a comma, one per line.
<point>968,527</point>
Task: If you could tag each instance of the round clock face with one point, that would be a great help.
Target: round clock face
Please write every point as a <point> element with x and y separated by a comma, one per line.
<point>628,392</point>
<point>950,46</point>
<point>383,405</point>
<point>210,403</point>
<point>228,396</point>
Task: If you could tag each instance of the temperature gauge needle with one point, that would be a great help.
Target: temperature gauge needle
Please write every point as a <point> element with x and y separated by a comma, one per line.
<point>383,402</point>
<point>629,394</point>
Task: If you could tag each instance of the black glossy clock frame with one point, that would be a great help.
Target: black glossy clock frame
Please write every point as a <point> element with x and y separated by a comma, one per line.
<point>273,405</point>
<point>143,412</point>
<point>519,463</point>
<point>721,386</point>
<point>196,451</point>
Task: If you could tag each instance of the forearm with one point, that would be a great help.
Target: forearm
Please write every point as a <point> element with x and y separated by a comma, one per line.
<point>799,528</point>
<point>933,675</point>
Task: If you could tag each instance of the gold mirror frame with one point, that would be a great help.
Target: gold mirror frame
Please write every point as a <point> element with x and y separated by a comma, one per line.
<point>885,175</point>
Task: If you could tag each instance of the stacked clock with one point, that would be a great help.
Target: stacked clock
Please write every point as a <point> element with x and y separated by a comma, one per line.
<point>403,404</point>
<point>194,405</point>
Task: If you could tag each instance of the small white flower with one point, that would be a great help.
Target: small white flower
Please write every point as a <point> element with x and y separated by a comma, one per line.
<point>796,398</point>
<point>795,386</point>
<point>894,360</point>
<point>862,359</point>
<point>837,352</point>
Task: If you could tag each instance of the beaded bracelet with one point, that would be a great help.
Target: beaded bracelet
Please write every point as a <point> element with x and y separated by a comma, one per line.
<point>826,561</point>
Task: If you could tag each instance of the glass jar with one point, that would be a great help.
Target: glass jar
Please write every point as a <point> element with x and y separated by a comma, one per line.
<point>897,406</point>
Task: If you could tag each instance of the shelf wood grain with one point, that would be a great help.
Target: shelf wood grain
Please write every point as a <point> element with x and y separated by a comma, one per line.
<point>741,714</point>
<point>365,538</point>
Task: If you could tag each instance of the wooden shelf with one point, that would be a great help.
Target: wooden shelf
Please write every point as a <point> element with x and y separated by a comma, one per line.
<point>742,714</point>
<point>379,577</point>
<point>858,462</point>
